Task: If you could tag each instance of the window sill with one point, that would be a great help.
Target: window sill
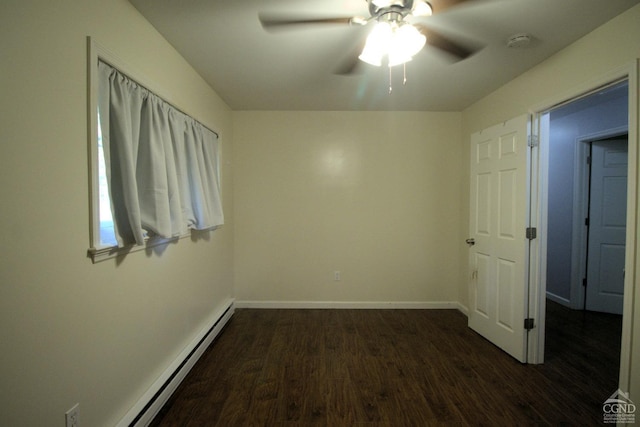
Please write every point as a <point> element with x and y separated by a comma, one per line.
<point>105,253</point>
<point>108,252</point>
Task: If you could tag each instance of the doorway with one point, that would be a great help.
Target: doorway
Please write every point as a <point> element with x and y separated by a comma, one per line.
<point>584,272</point>
<point>573,128</point>
<point>537,201</point>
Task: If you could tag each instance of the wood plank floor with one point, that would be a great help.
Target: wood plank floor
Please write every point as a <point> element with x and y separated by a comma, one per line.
<point>393,368</point>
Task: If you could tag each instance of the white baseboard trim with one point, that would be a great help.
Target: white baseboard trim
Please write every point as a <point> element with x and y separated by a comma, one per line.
<point>463,309</point>
<point>143,412</point>
<point>559,300</point>
<point>348,304</point>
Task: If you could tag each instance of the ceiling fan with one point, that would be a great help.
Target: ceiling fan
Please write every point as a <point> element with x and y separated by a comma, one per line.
<point>395,38</point>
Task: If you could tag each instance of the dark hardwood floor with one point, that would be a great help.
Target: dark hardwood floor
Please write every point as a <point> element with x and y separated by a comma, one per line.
<point>394,368</point>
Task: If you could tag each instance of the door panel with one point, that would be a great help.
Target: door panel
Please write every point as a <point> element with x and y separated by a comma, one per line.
<point>483,213</point>
<point>607,226</point>
<point>506,279</point>
<point>508,181</point>
<point>481,303</point>
<point>499,207</point>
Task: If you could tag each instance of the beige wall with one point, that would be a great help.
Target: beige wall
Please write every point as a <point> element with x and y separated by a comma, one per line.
<point>71,331</point>
<point>382,197</point>
<point>373,195</point>
<point>588,61</point>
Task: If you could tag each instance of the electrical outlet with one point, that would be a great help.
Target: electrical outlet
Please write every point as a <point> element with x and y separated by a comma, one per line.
<point>72,416</point>
<point>336,276</point>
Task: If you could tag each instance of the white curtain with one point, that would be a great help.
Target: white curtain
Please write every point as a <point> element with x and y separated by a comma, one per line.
<point>162,165</point>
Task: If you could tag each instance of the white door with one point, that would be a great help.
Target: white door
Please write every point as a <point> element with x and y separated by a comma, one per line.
<point>607,226</point>
<point>498,219</point>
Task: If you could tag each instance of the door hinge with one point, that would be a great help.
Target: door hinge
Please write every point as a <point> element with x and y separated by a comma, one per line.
<point>528,324</point>
<point>533,140</point>
<point>531,233</point>
<point>588,160</point>
<point>586,222</point>
<point>584,282</point>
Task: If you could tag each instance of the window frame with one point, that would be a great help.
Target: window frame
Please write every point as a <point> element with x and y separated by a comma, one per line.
<point>98,251</point>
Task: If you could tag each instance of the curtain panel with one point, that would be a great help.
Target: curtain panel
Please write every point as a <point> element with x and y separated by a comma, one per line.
<point>161,165</point>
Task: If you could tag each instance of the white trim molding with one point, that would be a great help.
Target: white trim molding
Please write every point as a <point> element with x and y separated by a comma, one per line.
<point>560,300</point>
<point>348,304</point>
<point>462,308</point>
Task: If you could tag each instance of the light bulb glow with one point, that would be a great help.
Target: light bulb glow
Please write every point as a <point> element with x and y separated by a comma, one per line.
<point>377,45</point>
<point>407,40</point>
<point>398,43</point>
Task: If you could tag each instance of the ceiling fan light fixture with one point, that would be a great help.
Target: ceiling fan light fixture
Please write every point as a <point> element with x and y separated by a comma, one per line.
<point>377,44</point>
<point>407,41</point>
<point>422,8</point>
<point>397,58</point>
<point>381,4</point>
<point>359,20</point>
<point>370,56</point>
<point>398,42</point>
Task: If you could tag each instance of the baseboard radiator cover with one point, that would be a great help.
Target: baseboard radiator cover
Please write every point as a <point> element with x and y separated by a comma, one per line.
<point>143,412</point>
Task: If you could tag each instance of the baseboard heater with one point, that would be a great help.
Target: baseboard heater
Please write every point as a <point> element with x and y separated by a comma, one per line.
<point>159,393</point>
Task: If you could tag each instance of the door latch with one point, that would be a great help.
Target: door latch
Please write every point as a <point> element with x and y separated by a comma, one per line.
<point>470,242</point>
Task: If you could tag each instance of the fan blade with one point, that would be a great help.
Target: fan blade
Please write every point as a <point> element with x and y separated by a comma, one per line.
<point>440,6</point>
<point>268,23</point>
<point>351,63</point>
<point>348,67</point>
<point>445,44</point>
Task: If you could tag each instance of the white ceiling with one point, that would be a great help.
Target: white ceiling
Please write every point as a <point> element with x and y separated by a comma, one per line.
<point>293,69</point>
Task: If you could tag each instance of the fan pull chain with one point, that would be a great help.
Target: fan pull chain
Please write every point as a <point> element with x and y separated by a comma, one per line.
<point>404,77</point>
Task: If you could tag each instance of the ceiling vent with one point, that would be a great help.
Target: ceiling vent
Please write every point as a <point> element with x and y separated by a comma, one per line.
<point>519,41</point>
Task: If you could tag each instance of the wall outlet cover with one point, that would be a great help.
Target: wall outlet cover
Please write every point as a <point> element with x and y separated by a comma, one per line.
<point>72,416</point>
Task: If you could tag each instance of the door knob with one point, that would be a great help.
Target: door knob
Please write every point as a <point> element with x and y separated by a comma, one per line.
<point>470,242</point>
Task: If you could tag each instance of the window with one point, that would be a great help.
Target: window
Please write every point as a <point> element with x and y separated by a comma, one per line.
<point>107,235</point>
<point>155,170</point>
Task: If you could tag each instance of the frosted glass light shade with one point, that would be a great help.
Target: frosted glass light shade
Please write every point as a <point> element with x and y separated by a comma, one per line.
<point>422,8</point>
<point>377,44</point>
<point>399,43</point>
<point>406,42</point>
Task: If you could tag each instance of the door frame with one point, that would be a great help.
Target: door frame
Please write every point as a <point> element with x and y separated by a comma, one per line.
<point>538,191</point>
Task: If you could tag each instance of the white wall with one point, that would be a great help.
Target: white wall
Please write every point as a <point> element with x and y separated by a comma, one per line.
<point>72,331</point>
<point>373,195</point>
<point>597,55</point>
